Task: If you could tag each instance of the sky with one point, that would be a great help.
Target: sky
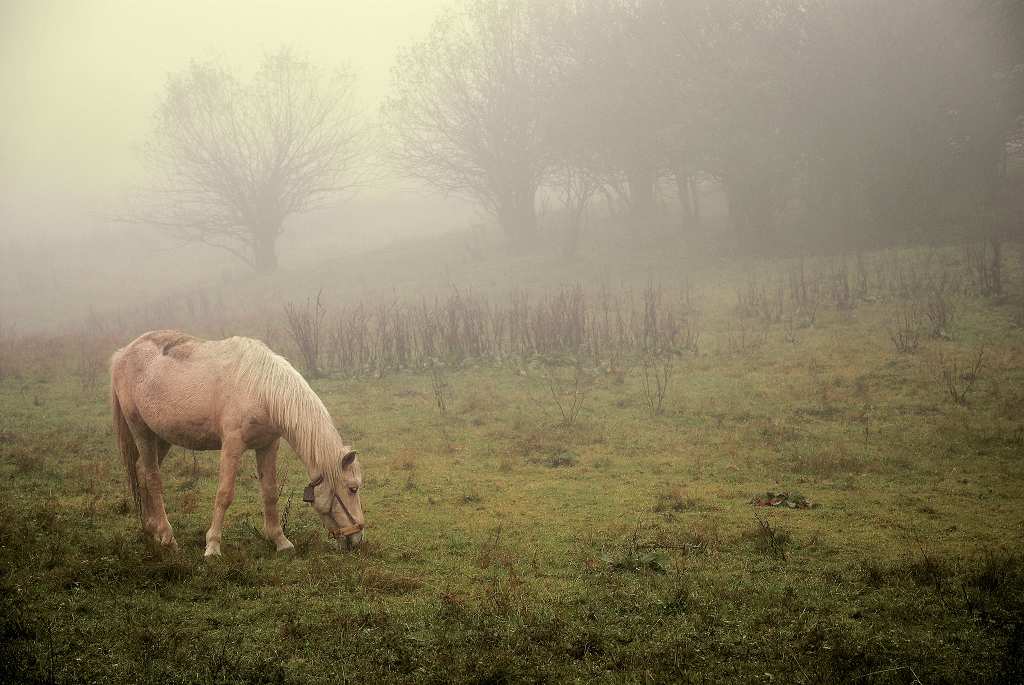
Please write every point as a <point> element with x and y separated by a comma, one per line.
<point>80,79</point>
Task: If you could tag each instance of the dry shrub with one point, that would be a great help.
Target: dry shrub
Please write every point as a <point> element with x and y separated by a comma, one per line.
<point>905,328</point>
<point>768,539</point>
<point>758,300</point>
<point>655,376</point>
<point>743,341</point>
<point>568,391</point>
<point>92,358</point>
<point>956,376</point>
<point>938,312</point>
<point>842,295</point>
<point>604,327</point>
<point>305,323</point>
<point>441,388</point>
<point>984,262</point>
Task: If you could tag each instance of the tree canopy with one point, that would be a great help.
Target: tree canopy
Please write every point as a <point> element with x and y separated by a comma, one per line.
<point>229,161</point>
<point>858,119</point>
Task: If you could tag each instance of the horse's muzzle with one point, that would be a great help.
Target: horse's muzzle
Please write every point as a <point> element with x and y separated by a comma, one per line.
<point>348,537</point>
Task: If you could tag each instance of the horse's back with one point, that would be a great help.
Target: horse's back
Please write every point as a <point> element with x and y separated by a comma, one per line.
<point>176,384</point>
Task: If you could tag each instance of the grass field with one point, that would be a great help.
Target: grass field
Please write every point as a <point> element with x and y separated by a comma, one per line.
<point>507,543</point>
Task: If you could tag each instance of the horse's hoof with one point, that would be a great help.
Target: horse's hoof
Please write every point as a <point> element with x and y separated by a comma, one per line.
<point>211,551</point>
<point>285,546</point>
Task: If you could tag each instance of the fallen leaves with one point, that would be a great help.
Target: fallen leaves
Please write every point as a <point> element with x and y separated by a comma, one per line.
<point>783,499</point>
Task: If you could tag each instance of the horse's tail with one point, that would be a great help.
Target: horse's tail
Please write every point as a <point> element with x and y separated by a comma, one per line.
<point>126,443</point>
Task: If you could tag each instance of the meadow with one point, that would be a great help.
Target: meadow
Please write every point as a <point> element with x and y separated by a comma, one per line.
<point>578,501</point>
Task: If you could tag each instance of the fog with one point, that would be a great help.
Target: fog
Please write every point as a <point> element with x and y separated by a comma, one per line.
<point>82,79</point>
<point>678,341</point>
<point>82,82</point>
<point>818,126</point>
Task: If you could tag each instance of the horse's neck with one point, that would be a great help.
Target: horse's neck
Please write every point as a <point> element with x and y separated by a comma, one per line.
<point>314,439</point>
<point>295,410</point>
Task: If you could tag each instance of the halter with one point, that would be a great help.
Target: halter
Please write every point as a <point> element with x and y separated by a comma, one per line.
<point>307,496</point>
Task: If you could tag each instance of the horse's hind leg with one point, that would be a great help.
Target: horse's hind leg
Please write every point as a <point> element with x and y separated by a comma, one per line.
<point>230,457</point>
<point>152,451</point>
<point>266,466</point>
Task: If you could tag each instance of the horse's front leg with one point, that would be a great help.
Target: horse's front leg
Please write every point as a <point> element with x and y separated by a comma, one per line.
<point>230,457</point>
<point>266,466</point>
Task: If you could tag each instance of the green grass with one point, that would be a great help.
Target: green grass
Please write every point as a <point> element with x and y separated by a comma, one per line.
<point>504,546</point>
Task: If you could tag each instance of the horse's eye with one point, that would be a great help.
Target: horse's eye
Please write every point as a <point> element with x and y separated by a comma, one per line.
<point>353,490</point>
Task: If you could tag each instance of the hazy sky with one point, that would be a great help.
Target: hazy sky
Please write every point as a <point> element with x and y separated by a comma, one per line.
<point>79,79</point>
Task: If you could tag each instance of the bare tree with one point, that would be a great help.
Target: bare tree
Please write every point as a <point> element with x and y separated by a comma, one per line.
<point>305,324</point>
<point>467,111</point>
<point>575,186</point>
<point>230,161</point>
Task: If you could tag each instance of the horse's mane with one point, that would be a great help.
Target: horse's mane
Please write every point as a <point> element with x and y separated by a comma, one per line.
<point>292,404</point>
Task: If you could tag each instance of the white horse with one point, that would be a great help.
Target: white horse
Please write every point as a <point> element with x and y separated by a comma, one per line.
<point>169,388</point>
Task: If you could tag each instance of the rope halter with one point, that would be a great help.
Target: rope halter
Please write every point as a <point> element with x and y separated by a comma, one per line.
<point>336,532</point>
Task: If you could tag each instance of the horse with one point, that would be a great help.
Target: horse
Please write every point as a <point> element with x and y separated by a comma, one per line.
<point>169,388</point>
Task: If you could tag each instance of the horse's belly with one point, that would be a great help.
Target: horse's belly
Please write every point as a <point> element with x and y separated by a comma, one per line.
<point>190,440</point>
<point>183,420</point>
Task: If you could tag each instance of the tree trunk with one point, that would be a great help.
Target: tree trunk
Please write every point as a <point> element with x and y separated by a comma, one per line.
<point>518,217</point>
<point>694,200</point>
<point>683,191</point>
<point>641,192</point>
<point>265,251</point>
<point>689,201</point>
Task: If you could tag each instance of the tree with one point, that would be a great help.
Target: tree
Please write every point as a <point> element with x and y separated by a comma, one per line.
<point>613,99</point>
<point>467,115</point>
<point>905,113</point>
<point>229,161</point>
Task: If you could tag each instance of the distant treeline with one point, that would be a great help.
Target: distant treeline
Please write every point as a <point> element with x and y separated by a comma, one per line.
<point>823,124</point>
<point>853,121</point>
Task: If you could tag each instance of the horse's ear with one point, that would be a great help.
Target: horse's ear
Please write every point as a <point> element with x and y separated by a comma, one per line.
<point>347,460</point>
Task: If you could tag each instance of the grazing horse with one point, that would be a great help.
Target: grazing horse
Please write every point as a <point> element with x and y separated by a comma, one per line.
<point>169,388</point>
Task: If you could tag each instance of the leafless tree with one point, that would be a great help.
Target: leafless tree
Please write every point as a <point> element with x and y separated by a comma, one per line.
<point>655,376</point>
<point>230,161</point>
<point>467,111</point>
<point>305,324</point>
<point>575,187</point>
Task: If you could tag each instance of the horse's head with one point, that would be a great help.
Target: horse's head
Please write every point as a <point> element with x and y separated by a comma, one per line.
<point>338,503</point>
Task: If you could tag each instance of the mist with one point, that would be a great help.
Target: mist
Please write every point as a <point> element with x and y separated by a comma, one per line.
<point>827,127</point>
<point>512,341</point>
<point>83,81</point>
